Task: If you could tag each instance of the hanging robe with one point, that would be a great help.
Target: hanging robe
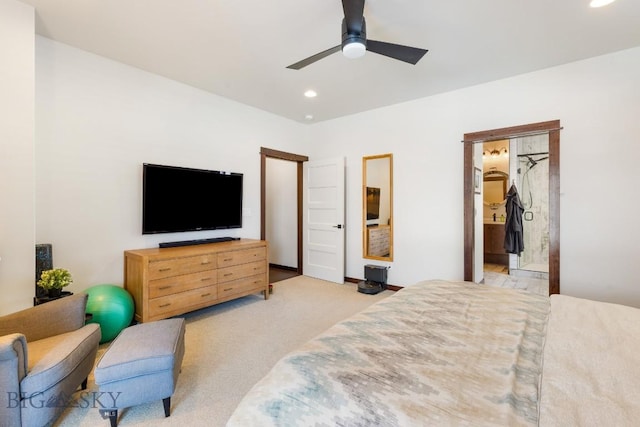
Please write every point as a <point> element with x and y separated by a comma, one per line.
<point>513,233</point>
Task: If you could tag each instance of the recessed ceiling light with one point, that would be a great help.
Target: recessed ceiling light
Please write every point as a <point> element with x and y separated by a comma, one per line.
<point>600,3</point>
<point>308,117</point>
<point>310,93</point>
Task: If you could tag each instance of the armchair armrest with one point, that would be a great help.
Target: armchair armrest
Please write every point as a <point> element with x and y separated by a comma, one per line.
<point>45,320</point>
<point>13,352</point>
<point>13,368</point>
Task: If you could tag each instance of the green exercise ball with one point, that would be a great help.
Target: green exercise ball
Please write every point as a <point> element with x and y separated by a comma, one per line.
<point>111,307</point>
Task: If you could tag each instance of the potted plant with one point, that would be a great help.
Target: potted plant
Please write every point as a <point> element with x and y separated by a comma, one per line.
<point>54,280</point>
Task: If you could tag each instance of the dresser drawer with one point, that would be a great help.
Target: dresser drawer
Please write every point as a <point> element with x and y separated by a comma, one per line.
<point>242,285</point>
<point>177,266</point>
<point>181,301</point>
<point>236,272</point>
<point>230,258</point>
<point>186,282</point>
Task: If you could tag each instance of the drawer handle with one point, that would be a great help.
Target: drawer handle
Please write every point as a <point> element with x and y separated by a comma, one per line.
<point>164,269</point>
<point>228,274</point>
<point>205,279</point>
<point>165,305</point>
<point>205,295</point>
<point>162,288</point>
<point>205,262</point>
<point>227,290</point>
<point>228,259</point>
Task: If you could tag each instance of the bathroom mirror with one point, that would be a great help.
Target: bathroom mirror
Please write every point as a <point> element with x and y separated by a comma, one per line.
<point>494,187</point>
<point>377,207</point>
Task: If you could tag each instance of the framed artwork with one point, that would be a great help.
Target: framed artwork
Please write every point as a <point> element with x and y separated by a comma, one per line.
<point>477,180</point>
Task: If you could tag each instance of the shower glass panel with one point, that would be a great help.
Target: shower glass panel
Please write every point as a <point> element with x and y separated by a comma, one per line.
<point>533,188</point>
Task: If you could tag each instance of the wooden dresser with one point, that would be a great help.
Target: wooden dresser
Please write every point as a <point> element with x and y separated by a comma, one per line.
<point>166,282</point>
<point>379,243</point>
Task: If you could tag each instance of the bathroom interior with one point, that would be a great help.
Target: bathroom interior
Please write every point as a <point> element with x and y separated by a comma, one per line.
<point>522,162</point>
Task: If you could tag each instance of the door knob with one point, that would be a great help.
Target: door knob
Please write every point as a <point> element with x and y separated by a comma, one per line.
<point>337,226</point>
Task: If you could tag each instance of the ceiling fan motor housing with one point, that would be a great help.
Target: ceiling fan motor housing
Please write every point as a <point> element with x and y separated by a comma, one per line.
<point>354,43</point>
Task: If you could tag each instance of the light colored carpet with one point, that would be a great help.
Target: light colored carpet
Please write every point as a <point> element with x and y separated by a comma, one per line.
<point>230,346</point>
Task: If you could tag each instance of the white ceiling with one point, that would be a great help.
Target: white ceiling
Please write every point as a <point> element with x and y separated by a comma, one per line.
<point>239,49</point>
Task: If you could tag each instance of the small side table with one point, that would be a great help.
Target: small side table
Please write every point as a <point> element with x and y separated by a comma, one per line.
<point>43,299</point>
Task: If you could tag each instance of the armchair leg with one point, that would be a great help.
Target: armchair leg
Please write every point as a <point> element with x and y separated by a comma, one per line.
<point>166,402</point>
<point>112,414</point>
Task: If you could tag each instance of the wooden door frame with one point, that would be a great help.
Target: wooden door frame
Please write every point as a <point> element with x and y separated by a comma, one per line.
<point>553,128</point>
<point>281,155</point>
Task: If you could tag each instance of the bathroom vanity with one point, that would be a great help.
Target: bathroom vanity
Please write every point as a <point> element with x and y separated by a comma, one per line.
<point>494,252</point>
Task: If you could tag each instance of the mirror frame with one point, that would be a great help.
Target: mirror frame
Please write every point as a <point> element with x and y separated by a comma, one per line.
<point>497,176</point>
<point>365,229</point>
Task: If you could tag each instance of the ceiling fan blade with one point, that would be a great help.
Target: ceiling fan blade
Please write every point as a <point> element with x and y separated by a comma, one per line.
<point>317,57</point>
<point>396,51</point>
<point>353,15</point>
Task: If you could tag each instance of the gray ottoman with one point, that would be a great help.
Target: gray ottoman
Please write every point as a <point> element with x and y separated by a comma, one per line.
<point>141,365</point>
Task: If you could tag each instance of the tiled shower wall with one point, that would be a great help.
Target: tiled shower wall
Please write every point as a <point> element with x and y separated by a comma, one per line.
<point>533,188</point>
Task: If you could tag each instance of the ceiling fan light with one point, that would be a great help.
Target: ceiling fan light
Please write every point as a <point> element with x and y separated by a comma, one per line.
<point>355,49</point>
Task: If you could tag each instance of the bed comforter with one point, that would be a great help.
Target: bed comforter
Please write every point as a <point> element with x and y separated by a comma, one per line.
<point>460,354</point>
<point>436,353</point>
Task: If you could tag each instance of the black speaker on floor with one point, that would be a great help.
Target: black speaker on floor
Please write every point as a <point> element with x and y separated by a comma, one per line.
<point>375,280</point>
<point>44,261</point>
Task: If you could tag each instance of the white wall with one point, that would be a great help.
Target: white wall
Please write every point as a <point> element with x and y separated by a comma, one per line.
<point>17,182</point>
<point>281,216</point>
<point>597,103</point>
<point>97,122</point>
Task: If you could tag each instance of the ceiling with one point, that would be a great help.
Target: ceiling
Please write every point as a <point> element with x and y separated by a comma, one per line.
<point>239,49</point>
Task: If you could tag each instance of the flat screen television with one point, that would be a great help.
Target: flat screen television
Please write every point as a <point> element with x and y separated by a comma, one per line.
<point>373,203</point>
<point>176,199</point>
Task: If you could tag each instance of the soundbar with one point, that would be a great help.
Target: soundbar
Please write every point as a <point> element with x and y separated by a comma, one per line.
<point>196,242</point>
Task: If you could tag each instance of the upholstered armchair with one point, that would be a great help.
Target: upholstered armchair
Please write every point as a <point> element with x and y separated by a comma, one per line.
<point>46,352</point>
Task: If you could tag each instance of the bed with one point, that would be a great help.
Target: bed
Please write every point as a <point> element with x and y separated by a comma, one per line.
<point>457,353</point>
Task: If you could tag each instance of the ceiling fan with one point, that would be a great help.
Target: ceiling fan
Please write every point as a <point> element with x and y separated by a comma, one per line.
<point>355,43</point>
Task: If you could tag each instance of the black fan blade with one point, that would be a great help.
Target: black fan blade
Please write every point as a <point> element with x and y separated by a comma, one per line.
<point>353,15</point>
<point>396,51</point>
<point>317,57</point>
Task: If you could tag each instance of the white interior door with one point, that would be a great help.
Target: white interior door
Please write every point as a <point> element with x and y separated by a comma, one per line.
<point>323,219</point>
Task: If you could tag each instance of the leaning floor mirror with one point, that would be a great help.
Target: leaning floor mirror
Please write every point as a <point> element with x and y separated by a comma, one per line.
<point>377,207</point>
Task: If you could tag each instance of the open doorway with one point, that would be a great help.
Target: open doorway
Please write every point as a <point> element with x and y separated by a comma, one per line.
<point>516,166</point>
<point>473,212</point>
<point>273,165</point>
